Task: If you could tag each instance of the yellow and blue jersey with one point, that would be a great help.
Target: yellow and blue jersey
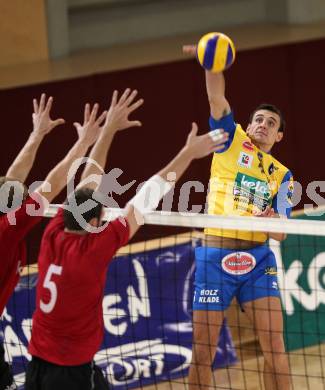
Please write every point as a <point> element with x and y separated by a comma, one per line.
<point>245,179</point>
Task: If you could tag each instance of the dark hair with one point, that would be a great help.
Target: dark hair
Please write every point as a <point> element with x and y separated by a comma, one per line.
<point>81,196</point>
<point>272,108</point>
<point>7,199</point>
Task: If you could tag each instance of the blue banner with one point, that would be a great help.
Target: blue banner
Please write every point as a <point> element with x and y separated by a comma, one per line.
<point>147,315</point>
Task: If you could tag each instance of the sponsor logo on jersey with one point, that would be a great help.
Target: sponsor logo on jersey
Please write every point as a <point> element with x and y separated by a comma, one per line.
<point>245,160</point>
<point>248,146</point>
<point>270,271</point>
<point>238,263</point>
<point>271,169</point>
<point>260,162</point>
<point>290,191</point>
<point>275,285</point>
<point>250,184</point>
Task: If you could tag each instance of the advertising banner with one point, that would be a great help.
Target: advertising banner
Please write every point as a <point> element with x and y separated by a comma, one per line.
<point>147,309</point>
<point>301,274</point>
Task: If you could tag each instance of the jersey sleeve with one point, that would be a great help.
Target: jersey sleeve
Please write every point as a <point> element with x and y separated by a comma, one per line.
<point>111,239</point>
<point>27,216</point>
<point>282,202</point>
<point>227,123</point>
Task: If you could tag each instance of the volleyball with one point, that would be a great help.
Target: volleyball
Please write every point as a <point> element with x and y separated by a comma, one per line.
<point>216,52</point>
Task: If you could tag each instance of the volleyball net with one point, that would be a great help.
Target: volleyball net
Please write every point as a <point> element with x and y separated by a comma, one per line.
<point>148,299</point>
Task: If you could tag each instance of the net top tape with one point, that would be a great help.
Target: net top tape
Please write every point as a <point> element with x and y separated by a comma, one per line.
<point>194,220</point>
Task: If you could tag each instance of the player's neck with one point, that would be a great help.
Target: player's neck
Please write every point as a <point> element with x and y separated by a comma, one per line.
<point>263,147</point>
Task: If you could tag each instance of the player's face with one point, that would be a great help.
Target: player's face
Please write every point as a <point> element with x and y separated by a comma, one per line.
<point>264,129</point>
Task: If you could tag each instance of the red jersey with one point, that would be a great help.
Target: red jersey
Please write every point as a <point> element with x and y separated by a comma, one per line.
<point>13,247</point>
<point>68,325</point>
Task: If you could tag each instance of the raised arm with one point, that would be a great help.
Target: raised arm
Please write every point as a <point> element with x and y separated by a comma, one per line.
<point>196,147</point>
<point>42,125</point>
<point>215,86</point>
<point>87,134</point>
<point>117,119</point>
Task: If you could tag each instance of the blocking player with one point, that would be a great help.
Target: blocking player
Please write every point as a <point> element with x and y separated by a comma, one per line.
<point>68,322</point>
<point>17,213</point>
<point>246,180</point>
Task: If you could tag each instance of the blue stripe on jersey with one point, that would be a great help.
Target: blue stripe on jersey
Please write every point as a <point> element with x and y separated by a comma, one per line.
<point>209,53</point>
<point>281,203</point>
<point>229,56</point>
<point>228,124</point>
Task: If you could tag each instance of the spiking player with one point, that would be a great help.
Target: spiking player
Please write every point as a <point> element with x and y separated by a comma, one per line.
<point>16,205</point>
<point>68,321</point>
<point>245,180</point>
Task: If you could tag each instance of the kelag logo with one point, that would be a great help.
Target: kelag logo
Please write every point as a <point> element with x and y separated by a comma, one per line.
<point>256,187</point>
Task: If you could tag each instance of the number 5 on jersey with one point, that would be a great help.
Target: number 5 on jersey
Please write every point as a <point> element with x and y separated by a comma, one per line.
<point>50,285</point>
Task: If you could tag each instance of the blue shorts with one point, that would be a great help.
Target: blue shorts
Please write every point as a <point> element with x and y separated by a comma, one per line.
<point>222,274</point>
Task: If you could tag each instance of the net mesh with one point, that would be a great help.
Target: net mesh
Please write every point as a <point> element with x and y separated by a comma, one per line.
<point>148,312</point>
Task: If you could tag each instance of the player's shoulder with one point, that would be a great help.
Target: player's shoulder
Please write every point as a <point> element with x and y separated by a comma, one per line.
<point>114,229</point>
<point>278,169</point>
<point>241,133</point>
<point>241,140</point>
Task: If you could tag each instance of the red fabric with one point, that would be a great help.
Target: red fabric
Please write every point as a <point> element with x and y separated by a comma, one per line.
<point>72,331</point>
<point>12,245</point>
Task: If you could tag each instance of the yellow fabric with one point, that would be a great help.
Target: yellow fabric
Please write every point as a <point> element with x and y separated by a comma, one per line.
<point>242,180</point>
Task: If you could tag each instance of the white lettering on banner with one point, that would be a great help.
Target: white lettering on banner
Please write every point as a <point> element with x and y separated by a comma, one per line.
<point>168,257</point>
<point>6,316</point>
<point>113,314</point>
<point>139,306</point>
<point>26,326</point>
<point>158,360</point>
<point>288,281</point>
<point>136,305</point>
<point>141,359</point>
<point>14,347</point>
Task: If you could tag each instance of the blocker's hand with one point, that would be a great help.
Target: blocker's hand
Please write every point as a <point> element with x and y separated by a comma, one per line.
<point>117,117</point>
<point>88,132</point>
<point>42,121</point>
<point>200,146</point>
